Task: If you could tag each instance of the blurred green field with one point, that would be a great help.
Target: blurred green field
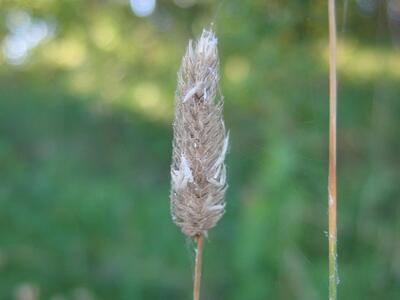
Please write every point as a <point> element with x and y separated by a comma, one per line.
<point>86,105</point>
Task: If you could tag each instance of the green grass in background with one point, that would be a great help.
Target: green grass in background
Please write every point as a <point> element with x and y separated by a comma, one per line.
<point>85,146</point>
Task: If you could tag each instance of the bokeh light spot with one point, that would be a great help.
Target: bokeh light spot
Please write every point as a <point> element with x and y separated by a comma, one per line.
<point>148,99</point>
<point>68,53</point>
<point>15,50</point>
<point>363,63</point>
<point>142,8</point>
<point>104,35</point>
<point>25,33</point>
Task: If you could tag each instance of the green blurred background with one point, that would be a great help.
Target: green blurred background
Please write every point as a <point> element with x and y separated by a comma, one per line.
<point>86,105</point>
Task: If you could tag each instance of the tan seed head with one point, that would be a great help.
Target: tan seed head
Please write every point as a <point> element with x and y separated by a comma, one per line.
<point>198,173</point>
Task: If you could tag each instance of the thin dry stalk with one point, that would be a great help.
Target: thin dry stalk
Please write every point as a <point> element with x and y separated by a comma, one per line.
<point>332,226</point>
<point>197,269</point>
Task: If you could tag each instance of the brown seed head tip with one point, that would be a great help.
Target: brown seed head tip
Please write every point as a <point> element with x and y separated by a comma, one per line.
<point>198,173</point>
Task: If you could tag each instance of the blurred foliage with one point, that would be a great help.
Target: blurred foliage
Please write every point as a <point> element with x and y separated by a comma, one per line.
<point>85,145</point>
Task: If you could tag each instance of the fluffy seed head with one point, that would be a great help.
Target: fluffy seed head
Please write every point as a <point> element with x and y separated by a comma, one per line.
<point>198,174</point>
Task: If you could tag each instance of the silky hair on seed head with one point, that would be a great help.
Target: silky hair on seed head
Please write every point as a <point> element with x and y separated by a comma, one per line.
<point>200,143</point>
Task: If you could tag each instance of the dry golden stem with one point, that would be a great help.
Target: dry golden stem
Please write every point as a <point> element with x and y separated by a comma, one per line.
<point>332,231</point>
<point>197,268</point>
